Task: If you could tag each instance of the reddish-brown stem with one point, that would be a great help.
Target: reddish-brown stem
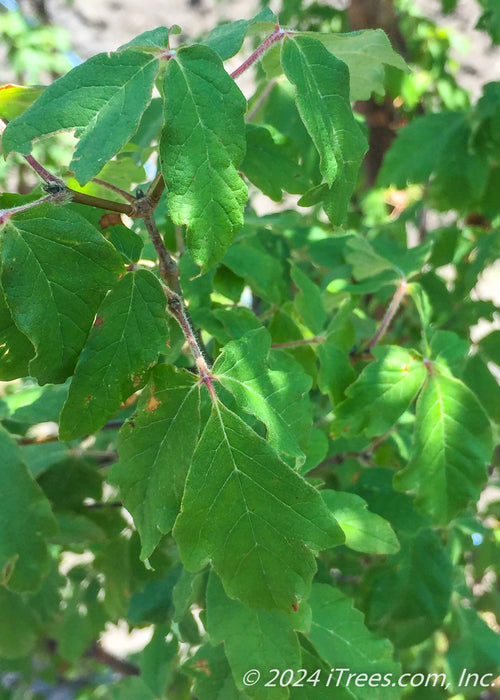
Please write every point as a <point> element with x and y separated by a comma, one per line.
<point>260,51</point>
<point>303,341</point>
<point>167,265</point>
<point>178,311</point>
<point>5,214</point>
<point>41,171</point>
<point>389,314</point>
<point>118,190</point>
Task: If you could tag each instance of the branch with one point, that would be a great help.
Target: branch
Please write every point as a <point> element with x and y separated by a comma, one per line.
<point>155,190</point>
<point>260,50</point>
<point>179,312</point>
<point>303,341</point>
<point>100,203</point>
<point>389,314</point>
<point>167,265</point>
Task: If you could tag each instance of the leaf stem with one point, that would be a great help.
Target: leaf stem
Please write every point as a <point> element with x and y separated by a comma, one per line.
<point>5,214</point>
<point>260,50</point>
<point>303,341</point>
<point>41,171</point>
<point>389,314</point>
<point>123,193</point>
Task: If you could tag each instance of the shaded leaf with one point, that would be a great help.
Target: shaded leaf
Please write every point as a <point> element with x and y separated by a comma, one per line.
<point>409,596</point>
<point>16,350</point>
<point>268,167</point>
<point>213,679</point>
<point>252,516</point>
<point>129,332</point>
<point>155,448</point>
<point>25,521</point>
<point>56,269</point>
<point>268,635</point>
<point>18,631</point>
<point>309,302</point>
<point>335,623</point>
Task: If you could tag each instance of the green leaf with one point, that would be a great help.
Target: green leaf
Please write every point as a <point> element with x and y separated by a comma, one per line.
<point>226,39</point>
<point>452,445</point>
<point>490,20</point>
<point>322,95</point>
<point>68,482</point>
<point>126,242</point>
<point>272,387</point>
<point>56,269</point>
<point>249,259</point>
<point>155,661</point>
<point>252,516</point>
<point>25,521</point>
<point>268,167</point>
<point>82,621</point>
<point>335,624</point>
<point>155,448</point>
<point>315,686</point>
<point>364,531</point>
<point>409,596</point>
<point>485,386</point>
<point>365,53</point>
<point>335,370</point>
<point>213,679</point>
<point>309,302</point>
<point>201,146</point>
<point>155,40</point>
<point>131,689</point>
<point>102,99</point>
<point>383,391</point>
<point>17,626</point>
<point>16,351</point>
<point>129,332</point>
<point>477,650</point>
<point>15,99</point>
<point>413,155</point>
<point>269,635</point>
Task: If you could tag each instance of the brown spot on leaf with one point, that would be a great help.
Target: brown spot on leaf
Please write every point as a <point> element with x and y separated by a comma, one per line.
<point>153,402</point>
<point>295,607</point>
<point>202,665</point>
<point>98,322</point>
